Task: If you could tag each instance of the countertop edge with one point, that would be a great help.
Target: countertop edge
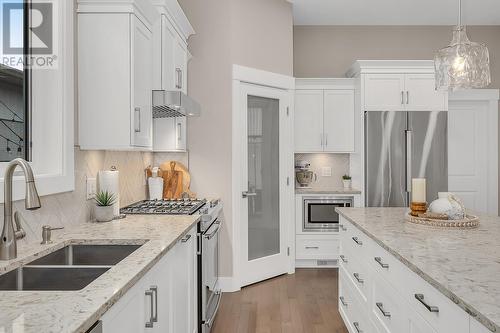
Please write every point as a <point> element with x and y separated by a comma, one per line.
<point>454,298</point>
<point>132,282</point>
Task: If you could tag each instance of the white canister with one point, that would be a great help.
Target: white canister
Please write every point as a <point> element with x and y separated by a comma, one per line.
<point>155,185</point>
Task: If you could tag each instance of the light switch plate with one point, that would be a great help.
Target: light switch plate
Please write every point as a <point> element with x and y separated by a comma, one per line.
<point>91,188</point>
<point>326,171</point>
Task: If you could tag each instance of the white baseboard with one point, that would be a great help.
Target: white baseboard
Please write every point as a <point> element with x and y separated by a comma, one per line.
<point>309,263</point>
<point>228,285</point>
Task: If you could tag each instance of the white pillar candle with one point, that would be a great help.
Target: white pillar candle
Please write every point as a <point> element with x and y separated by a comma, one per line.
<point>418,190</point>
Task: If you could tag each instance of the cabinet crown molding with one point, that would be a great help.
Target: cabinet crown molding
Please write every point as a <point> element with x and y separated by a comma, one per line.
<point>390,67</point>
<point>325,83</point>
<point>142,8</point>
<point>173,11</point>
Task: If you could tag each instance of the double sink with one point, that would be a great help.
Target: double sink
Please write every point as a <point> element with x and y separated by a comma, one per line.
<point>72,267</point>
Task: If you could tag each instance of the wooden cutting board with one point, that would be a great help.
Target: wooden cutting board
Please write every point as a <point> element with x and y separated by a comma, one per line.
<point>176,180</point>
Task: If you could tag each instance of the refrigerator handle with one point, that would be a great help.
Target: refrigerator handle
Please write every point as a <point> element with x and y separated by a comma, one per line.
<point>408,138</point>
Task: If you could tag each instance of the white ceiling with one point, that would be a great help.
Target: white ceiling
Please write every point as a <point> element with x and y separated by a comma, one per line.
<point>394,12</point>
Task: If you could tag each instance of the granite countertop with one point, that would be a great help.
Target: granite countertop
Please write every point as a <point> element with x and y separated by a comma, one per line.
<point>464,265</point>
<point>77,311</point>
<point>333,190</point>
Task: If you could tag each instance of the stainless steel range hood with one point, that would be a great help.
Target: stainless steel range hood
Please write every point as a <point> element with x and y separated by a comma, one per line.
<point>174,104</point>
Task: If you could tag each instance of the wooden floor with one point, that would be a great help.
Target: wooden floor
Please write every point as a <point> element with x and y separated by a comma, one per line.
<point>304,302</point>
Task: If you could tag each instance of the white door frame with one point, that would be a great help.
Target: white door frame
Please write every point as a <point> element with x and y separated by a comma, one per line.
<point>490,97</point>
<point>245,75</point>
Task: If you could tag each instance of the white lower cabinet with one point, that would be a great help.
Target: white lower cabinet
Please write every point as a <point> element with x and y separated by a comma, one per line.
<point>389,297</point>
<point>164,300</point>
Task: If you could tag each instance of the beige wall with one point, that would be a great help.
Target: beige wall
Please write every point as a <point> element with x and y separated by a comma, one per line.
<point>254,33</point>
<point>328,51</point>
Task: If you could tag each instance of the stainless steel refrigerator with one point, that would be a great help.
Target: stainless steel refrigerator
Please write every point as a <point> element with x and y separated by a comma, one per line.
<point>400,146</point>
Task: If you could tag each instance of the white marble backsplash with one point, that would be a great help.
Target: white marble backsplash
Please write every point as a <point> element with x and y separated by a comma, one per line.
<point>72,208</point>
<point>338,162</point>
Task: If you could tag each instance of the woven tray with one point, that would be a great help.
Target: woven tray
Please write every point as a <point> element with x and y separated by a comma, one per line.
<point>470,221</point>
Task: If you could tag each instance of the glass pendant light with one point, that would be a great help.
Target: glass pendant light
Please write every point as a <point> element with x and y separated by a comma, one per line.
<point>462,64</point>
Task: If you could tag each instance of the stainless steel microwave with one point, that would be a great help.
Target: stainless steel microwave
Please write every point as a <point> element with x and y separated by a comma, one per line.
<point>319,213</point>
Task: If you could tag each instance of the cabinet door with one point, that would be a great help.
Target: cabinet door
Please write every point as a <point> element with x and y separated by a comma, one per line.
<point>168,41</point>
<point>169,134</point>
<point>142,84</point>
<point>161,281</point>
<point>421,94</point>
<point>338,121</point>
<point>384,92</point>
<point>128,314</point>
<point>180,59</point>
<point>180,131</point>
<point>184,291</point>
<point>418,324</point>
<point>309,120</point>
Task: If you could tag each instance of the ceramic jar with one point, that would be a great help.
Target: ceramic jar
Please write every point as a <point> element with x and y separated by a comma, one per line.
<point>448,204</point>
<point>104,213</point>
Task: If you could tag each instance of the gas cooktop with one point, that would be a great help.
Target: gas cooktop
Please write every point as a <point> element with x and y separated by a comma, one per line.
<point>168,207</point>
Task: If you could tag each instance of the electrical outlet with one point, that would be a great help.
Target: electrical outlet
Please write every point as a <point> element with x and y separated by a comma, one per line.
<point>91,188</point>
<point>326,171</point>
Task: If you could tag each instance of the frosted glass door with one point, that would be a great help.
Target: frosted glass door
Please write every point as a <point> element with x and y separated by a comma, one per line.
<point>263,177</point>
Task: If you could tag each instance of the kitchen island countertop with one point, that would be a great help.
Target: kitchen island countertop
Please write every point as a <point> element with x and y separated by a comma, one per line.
<point>464,265</point>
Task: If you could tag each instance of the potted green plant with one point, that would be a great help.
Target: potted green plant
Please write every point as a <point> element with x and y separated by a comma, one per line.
<point>347,181</point>
<point>103,209</point>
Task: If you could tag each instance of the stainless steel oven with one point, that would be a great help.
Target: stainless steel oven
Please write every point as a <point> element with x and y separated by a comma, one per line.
<point>319,213</point>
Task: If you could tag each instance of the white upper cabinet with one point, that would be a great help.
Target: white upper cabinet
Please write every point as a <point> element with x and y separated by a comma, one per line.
<point>170,34</point>
<point>115,74</point>
<point>338,120</point>
<point>324,115</point>
<point>404,85</point>
<point>384,92</point>
<point>309,120</point>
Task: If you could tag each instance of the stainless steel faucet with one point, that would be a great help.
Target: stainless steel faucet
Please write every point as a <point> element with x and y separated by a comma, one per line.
<point>8,245</point>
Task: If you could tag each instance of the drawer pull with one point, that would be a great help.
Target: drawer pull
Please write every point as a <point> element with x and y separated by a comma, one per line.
<point>431,308</point>
<point>356,326</point>
<point>344,259</point>
<point>357,241</point>
<point>356,276</point>
<point>380,306</point>
<point>312,247</point>
<point>379,260</point>
<point>342,300</point>
<point>342,227</point>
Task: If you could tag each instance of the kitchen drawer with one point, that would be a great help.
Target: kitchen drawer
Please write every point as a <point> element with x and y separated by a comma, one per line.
<point>309,247</point>
<point>388,310</point>
<point>352,311</point>
<point>477,327</point>
<point>359,274</point>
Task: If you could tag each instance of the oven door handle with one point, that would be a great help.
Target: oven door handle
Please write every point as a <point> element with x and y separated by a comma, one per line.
<point>209,322</point>
<point>213,233</point>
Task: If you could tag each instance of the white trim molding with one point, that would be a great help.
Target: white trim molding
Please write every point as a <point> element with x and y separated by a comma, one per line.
<point>246,75</point>
<point>390,66</point>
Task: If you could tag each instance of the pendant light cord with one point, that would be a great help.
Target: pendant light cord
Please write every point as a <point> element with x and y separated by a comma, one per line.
<point>460,13</point>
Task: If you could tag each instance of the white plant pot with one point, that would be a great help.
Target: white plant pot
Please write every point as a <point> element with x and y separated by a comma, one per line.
<point>449,205</point>
<point>104,213</point>
<point>347,183</point>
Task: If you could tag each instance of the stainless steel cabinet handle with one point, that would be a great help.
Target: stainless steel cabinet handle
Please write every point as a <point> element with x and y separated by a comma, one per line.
<point>185,238</point>
<point>356,326</point>
<point>312,247</point>
<point>247,194</point>
<point>179,131</point>
<point>213,233</point>
<point>358,278</point>
<point>97,328</point>
<point>321,137</point>
<point>154,289</point>
<point>178,84</point>
<point>380,306</point>
<point>326,139</point>
<point>150,322</point>
<point>407,97</point>
<point>431,308</point>
<point>344,259</point>
<point>342,227</point>
<point>137,120</point>
<point>357,241</point>
<point>379,260</point>
<point>402,97</point>
<point>210,321</point>
<point>342,300</point>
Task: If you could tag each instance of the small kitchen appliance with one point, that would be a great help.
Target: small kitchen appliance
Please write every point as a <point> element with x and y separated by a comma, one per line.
<point>319,214</point>
<point>303,175</point>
